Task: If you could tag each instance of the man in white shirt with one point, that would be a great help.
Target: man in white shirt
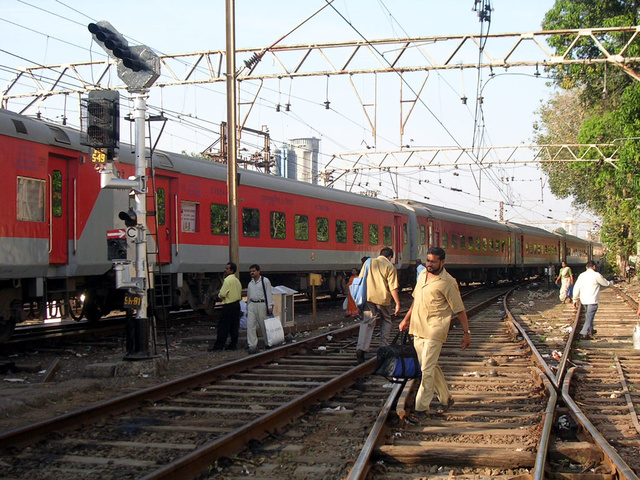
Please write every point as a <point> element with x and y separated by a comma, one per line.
<point>587,291</point>
<point>259,306</point>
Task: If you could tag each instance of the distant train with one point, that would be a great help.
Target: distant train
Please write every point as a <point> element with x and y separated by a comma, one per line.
<point>55,218</point>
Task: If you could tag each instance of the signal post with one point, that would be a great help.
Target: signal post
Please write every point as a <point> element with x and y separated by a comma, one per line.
<point>139,68</point>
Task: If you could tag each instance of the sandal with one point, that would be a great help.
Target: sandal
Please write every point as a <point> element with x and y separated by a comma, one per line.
<point>445,408</point>
<point>416,418</point>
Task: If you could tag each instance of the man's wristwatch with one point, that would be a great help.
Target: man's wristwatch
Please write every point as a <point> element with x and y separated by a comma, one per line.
<point>468,331</point>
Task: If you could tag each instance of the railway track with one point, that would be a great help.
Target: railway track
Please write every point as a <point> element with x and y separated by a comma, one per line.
<point>500,431</point>
<point>596,415</point>
<point>307,411</point>
<point>178,429</point>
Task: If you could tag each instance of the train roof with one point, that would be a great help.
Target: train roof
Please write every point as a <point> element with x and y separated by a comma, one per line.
<point>19,126</point>
<point>573,238</point>
<point>450,215</point>
<point>530,230</point>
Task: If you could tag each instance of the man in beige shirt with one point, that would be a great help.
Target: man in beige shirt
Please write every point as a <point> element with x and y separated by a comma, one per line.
<point>382,287</point>
<point>435,299</point>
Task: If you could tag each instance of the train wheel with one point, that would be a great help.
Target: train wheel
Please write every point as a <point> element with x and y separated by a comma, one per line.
<point>53,309</point>
<point>6,329</point>
<point>75,307</point>
<point>38,309</point>
<point>92,309</point>
<point>8,325</point>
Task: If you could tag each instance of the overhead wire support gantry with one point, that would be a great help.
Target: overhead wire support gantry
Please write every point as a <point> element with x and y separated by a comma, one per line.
<point>339,58</point>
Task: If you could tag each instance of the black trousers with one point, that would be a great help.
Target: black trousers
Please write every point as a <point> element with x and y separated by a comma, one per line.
<point>228,325</point>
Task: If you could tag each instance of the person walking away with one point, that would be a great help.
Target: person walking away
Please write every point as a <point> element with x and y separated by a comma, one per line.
<point>229,324</point>
<point>419,268</point>
<point>566,277</point>
<point>382,287</point>
<point>352,310</point>
<point>259,306</point>
<point>435,299</point>
<point>587,291</point>
<point>551,274</point>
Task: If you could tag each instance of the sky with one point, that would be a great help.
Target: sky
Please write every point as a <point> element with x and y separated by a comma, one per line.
<point>49,32</point>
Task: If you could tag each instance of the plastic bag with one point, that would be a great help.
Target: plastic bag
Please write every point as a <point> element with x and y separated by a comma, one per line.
<point>274,331</point>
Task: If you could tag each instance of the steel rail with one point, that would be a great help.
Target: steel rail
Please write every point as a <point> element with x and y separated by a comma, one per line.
<point>561,380</point>
<point>361,467</point>
<point>534,351</point>
<point>31,433</point>
<point>547,428</point>
<point>193,464</point>
<point>621,467</point>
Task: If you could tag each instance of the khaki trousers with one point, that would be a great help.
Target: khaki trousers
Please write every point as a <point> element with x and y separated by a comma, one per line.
<point>432,377</point>
<point>256,314</point>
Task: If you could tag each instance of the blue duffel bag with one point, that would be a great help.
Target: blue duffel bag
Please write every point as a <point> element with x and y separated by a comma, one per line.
<point>399,361</point>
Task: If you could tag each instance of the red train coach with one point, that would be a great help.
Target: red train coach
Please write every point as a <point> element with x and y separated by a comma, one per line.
<point>53,250</point>
<point>478,248</point>
<point>55,218</point>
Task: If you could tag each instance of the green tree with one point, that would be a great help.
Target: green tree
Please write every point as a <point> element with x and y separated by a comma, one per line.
<point>599,104</point>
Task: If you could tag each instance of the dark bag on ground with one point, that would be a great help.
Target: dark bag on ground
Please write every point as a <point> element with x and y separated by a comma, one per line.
<point>399,361</point>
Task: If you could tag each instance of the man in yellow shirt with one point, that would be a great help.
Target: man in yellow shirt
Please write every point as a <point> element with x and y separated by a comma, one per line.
<point>382,287</point>
<point>229,324</point>
<point>435,299</point>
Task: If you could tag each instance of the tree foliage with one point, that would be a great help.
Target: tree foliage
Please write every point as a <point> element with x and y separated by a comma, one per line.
<point>596,104</point>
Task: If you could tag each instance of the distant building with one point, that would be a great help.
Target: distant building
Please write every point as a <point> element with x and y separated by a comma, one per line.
<point>571,227</point>
<point>285,162</point>
<point>307,151</point>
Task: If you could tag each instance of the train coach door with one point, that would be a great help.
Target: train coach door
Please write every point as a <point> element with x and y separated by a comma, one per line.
<point>58,195</point>
<point>159,217</point>
<point>398,239</point>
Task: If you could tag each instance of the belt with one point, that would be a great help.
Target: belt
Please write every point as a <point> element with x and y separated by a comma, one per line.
<point>257,301</point>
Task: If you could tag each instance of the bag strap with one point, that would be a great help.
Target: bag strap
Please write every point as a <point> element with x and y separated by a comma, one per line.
<point>264,289</point>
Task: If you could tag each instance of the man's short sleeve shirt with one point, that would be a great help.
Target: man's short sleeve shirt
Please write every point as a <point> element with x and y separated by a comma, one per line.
<point>381,279</point>
<point>435,302</point>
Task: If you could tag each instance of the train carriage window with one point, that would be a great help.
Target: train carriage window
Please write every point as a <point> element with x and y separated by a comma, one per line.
<point>454,241</point>
<point>502,244</point>
<point>470,243</point>
<point>404,232</point>
<point>341,231</point>
<point>463,244</point>
<point>423,235</point>
<point>387,236</point>
<point>496,245</point>
<point>373,234</point>
<point>219,218</point>
<point>445,240</point>
<point>31,199</point>
<point>161,206</point>
<point>322,229</point>
<point>56,193</point>
<point>484,244</point>
<point>478,243</point>
<point>278,225</point>
<point>491,244</point>
<point>358,232</point>
<point>19,126</point>
<point>59,135</point>
<point>189,217</point>
<point>251,222</point>
<point>301,224</point>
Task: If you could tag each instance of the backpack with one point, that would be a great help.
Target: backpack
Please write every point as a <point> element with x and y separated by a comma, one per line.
<point>358,288</point>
